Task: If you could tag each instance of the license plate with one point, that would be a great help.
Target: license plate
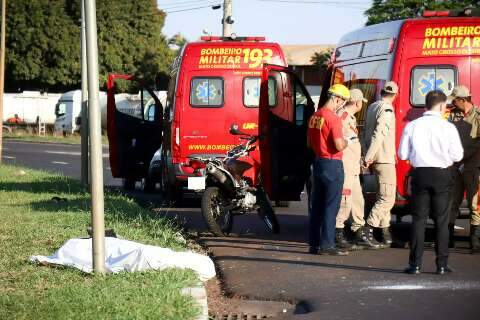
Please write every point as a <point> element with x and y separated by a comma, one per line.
<point>196,183</point>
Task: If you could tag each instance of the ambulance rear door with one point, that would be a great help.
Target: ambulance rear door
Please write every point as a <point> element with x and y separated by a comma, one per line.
<point>134,127</point>
<point>285,108</point>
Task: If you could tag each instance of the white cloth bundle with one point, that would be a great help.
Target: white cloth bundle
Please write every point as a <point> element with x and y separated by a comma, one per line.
<point>123,255</point>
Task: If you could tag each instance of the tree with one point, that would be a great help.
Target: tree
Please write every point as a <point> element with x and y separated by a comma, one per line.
<point>177,41</point>
<point>43,42</point>
<point>389,10</point>
<point>322,59</point>
<point>41,48</point>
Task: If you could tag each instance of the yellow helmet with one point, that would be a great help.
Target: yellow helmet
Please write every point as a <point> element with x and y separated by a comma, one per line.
<point>339,90</point>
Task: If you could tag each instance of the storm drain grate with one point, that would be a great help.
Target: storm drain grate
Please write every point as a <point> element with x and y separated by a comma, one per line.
<point>238,316</point>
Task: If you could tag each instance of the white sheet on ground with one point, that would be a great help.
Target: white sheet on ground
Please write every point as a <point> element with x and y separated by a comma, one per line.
<point>123,255</point>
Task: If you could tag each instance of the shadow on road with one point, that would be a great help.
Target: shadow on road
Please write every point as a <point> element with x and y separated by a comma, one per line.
<point>308,263</point>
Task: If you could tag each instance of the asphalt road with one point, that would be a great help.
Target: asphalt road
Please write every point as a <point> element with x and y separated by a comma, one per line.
<point>62,158</point>
<point>258,265</point>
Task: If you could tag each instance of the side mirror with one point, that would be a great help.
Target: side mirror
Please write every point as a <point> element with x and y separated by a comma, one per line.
<point>235,130</point>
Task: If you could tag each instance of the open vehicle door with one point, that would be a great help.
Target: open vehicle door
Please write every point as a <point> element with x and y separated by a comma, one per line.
<point>134,128</point>
<point>285,108</point>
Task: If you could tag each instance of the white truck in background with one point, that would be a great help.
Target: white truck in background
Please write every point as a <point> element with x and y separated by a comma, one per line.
<point>69,107</point>
<point>68,111</point>
<point>26,110</point>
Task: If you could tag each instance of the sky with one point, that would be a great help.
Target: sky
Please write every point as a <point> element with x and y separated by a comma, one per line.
<point>282,21</point>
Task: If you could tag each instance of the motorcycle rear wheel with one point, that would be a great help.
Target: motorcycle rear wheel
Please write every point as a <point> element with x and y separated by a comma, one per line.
<point>219,220</point>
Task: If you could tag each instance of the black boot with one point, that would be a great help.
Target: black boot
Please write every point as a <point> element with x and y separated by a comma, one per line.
<point>340,240</point>
<point>474,238</point>
<point>451,235</point>
<point>386,237</point>
<point>364,237</point>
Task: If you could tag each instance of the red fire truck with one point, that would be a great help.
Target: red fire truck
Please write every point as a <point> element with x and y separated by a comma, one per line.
<point>213,84</point>
<point>438,51</point>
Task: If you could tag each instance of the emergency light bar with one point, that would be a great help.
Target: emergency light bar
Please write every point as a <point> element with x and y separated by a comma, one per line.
<point>468,12</point>
<point>429,13</point>
<point>216,38</point>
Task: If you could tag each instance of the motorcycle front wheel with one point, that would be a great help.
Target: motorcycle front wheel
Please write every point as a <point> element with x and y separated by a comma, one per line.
<point>219,220</point>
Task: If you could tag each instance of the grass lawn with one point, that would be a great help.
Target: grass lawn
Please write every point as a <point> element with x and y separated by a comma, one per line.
<point>33,224</point>
<point>70,139</point>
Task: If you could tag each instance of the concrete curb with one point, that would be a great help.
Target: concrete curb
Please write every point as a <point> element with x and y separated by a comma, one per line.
<point>200,295</point>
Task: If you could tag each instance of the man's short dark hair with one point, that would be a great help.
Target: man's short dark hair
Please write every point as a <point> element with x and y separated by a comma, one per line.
<point>434,97</point>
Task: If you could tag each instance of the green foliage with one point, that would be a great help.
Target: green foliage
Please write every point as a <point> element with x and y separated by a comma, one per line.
<point>322,59</point>
<point>43,42</point>
<point>178,40</point>
<point>389,10</point>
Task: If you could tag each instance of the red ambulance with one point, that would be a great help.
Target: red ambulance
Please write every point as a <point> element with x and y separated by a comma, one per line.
<point>213,84</point>
<point>438,51</point>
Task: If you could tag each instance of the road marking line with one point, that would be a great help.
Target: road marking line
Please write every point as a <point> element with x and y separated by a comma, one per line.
<point>71,153</point>
<point>8,157</point>
<point>63,152</point>
<point>446,285</point>
<point>59,162</point>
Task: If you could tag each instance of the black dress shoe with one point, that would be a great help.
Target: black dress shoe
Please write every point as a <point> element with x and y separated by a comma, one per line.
<point>333,252</point>
<point>444,270</point>
<point>412,270</point>
<point>312,250</point>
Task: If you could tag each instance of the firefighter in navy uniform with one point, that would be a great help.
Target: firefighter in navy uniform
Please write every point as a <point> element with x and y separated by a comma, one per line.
<point>466,118</point>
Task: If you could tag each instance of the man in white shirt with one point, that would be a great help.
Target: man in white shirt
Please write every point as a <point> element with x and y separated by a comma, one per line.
<point>432,145</point>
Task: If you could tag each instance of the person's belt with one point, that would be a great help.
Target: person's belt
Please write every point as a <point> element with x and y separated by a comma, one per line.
<point>438,168</point>
<point>327,158</point>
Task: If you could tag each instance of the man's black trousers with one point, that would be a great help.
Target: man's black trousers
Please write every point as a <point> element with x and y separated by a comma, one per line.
<point>431,191</point>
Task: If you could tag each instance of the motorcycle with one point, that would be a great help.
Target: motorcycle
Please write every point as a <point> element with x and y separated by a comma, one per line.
<point>229,191</point>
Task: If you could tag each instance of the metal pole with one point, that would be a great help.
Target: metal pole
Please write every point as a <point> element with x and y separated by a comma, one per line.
<point>227,18</point>
<point>94,119</point>
<point>2,74</point>
<point>84,117</point>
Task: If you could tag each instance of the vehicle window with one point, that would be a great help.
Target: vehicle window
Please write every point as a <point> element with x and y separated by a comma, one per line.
<point>251,92</point>
<point>283,83</point>
<point>172,84</point>
<point>206,92</point>
<point>147,100</point>
<point>300,102</point>
<point>368,77</point>
<point>61,109</point>
<point>348,52</point>
<point>150,111</point>
<point>376,47</point>
<point>427,78</point>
